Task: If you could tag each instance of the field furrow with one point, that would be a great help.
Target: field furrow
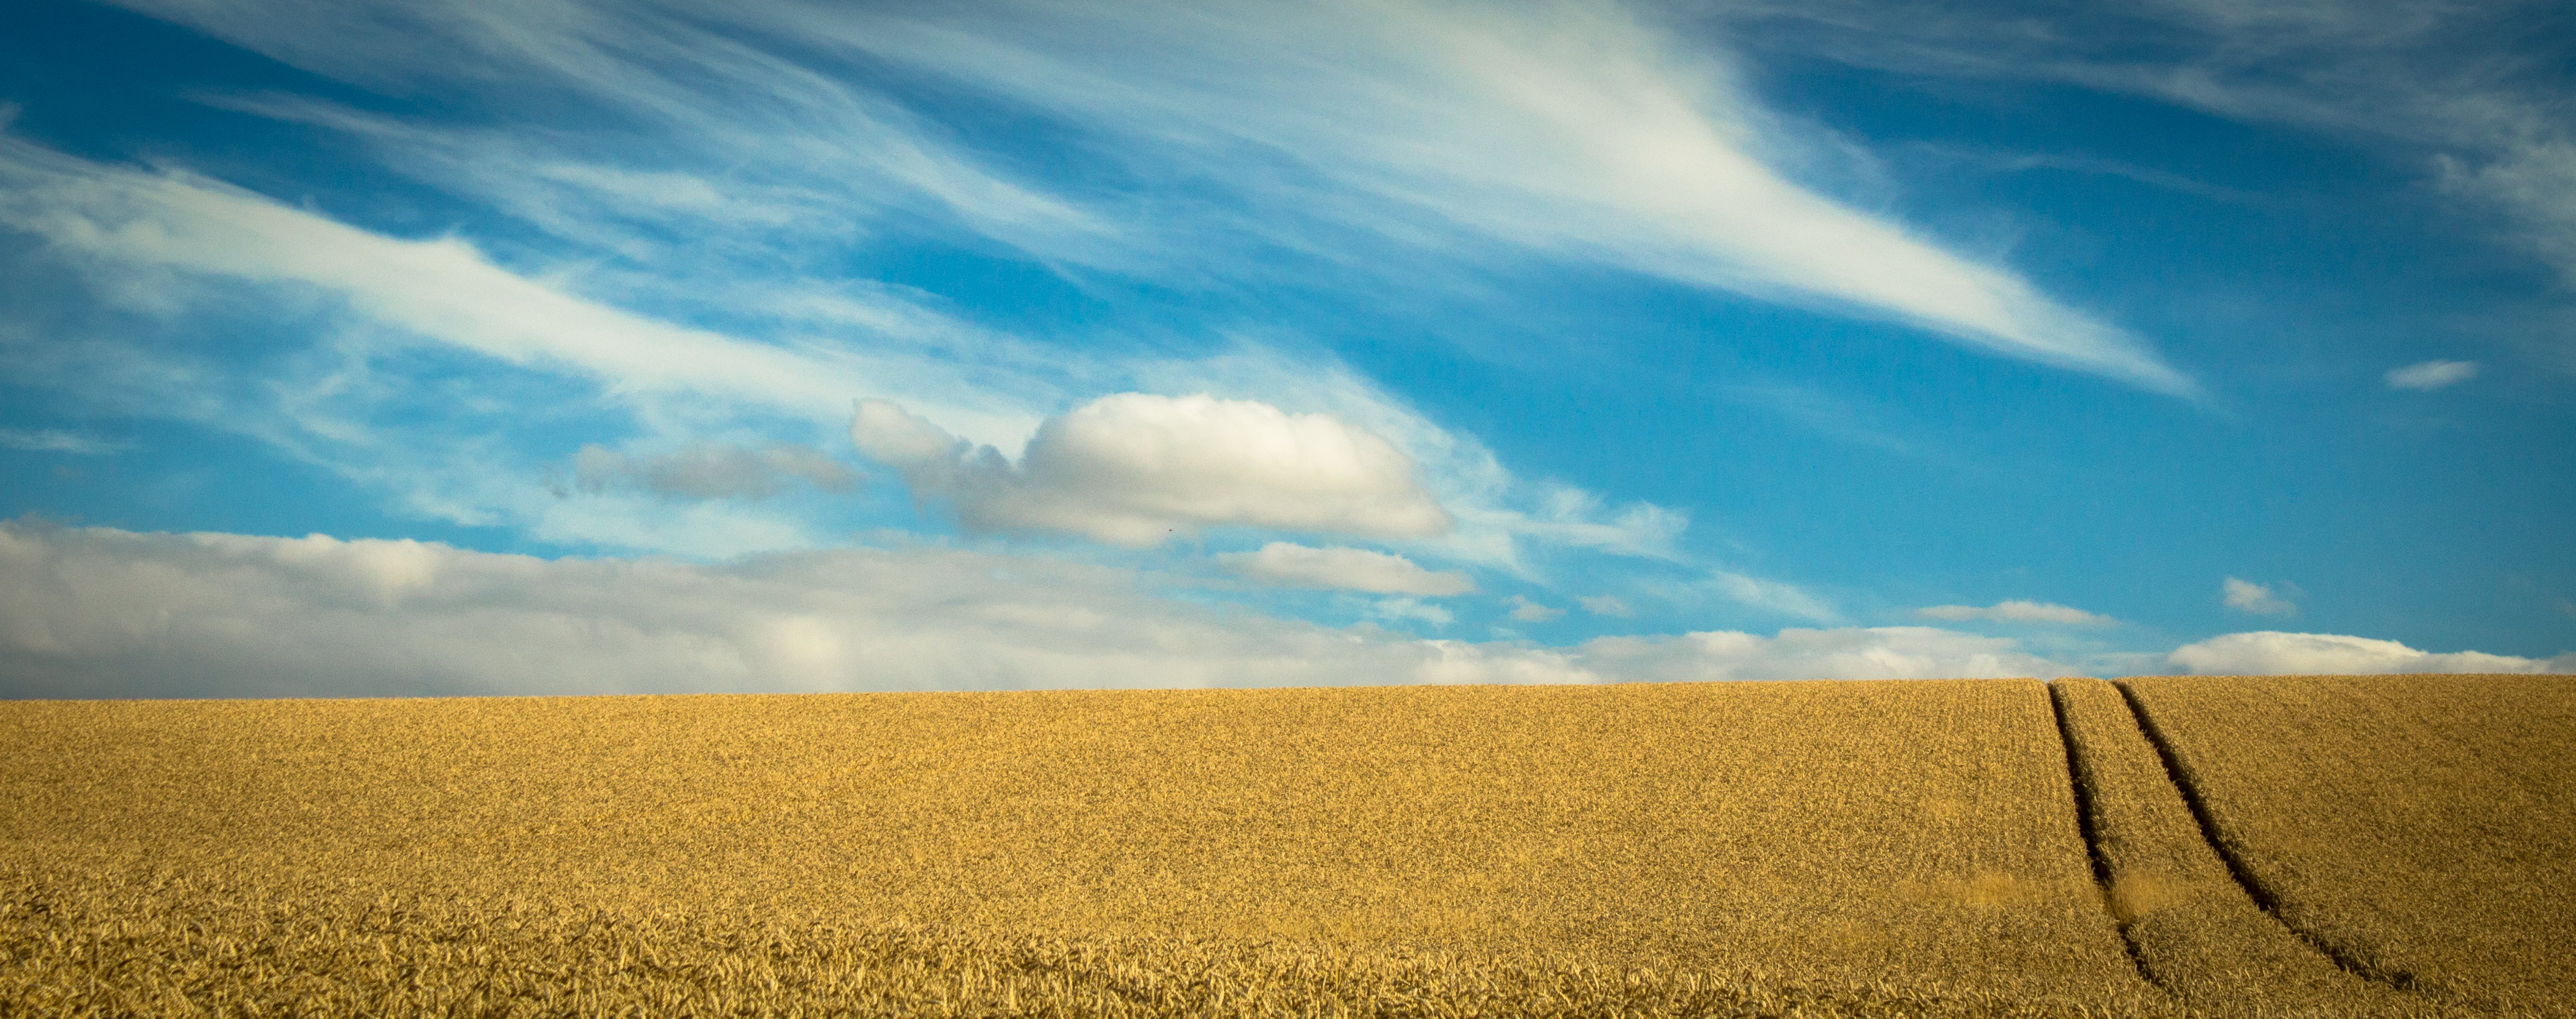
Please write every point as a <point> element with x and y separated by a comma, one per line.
<point>2195,930</point>
<point>2422,828</point>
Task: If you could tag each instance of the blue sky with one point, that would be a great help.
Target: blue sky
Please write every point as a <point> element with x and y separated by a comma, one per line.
<point>508,347</point>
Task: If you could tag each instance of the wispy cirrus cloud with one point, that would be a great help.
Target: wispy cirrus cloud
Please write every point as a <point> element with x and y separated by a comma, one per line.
<point>1605,605</point>
<point>732,124</point>
<point>2431,375</point>
<point>1190,147</point>
<point>1527,611</point>
<point>1351,569</point>
<point>117,221</point>
<point>1581,131</point>
<point>56,440</point>
<point>2017,611</point>
<point>1764,595</point>
<point>2470,93</point>
<point>706,470</point>
<point>150,241</point>
<point>2259,599</point>
<point>1585,132</point>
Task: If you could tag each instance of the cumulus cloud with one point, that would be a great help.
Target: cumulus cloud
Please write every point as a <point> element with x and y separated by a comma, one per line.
<point>1605,605</point>
<point>2259,599</point>
<point>1133,469</point>
<point>2275,653</point>
<point>2432,374</point>
<point>1890,652</point>
<point>2016,611</point>
<point>706,470</point>
<point>179,249</point>
<point>1528,611</point>
<point>1290,565</point>
<point>1499,514</point>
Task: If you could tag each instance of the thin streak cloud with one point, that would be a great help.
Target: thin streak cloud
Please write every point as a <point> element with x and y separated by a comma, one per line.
<point>1579,132</point>
<point>2431,375</point>
<point>136,233</point>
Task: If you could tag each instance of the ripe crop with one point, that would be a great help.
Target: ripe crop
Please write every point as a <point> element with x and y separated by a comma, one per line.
<point>1701,848</point>
<point>2318,846</point>
<point>2193,927</point>
<point>2420,828</point>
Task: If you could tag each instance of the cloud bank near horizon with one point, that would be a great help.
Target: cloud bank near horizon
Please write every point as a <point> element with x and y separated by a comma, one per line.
<point>2275,653</point>
<point>98,612</point>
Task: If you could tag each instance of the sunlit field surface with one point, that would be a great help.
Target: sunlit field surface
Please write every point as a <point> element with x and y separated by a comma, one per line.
<point>1691,849</point>
<point>2198,934</point>
<point>2423,828</point>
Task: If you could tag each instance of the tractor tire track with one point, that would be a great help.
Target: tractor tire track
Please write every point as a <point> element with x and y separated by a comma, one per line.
<point>2265,897</point>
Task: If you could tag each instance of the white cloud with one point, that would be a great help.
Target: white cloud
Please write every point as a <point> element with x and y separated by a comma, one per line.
<point>2535,179</point>
<point>2324,654</point>
<point>122,225</point>
<point>2432,374</point>
<point>142,238</point>
<point>1133,469</point>
<point>2444,84</point>
<point>443,289</point>
<point>1498,514</point>
<point>1398,610</point>
<point>107,613</point>
<point>2017,611</point>
<point>55,440</point>
<point>1290,565</point>
<point>1528,611</point>
<point>1892,652</point>
<point>1571,131</point>
<point>1574,131</point>
<point>1605,605</point>
<point>98,612</point>
<point>1771,596</point>
<point>707,470</point>
<point>2259,599</point>
<point>733,127</point>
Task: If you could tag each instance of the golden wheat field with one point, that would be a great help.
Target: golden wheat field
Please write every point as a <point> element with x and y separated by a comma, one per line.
<point>2196,932</point>
<point>2421,828</point>
<point>1825,848</point>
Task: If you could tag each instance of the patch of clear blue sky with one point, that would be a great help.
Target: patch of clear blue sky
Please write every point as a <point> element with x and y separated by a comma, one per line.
<point>2284,269</point>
